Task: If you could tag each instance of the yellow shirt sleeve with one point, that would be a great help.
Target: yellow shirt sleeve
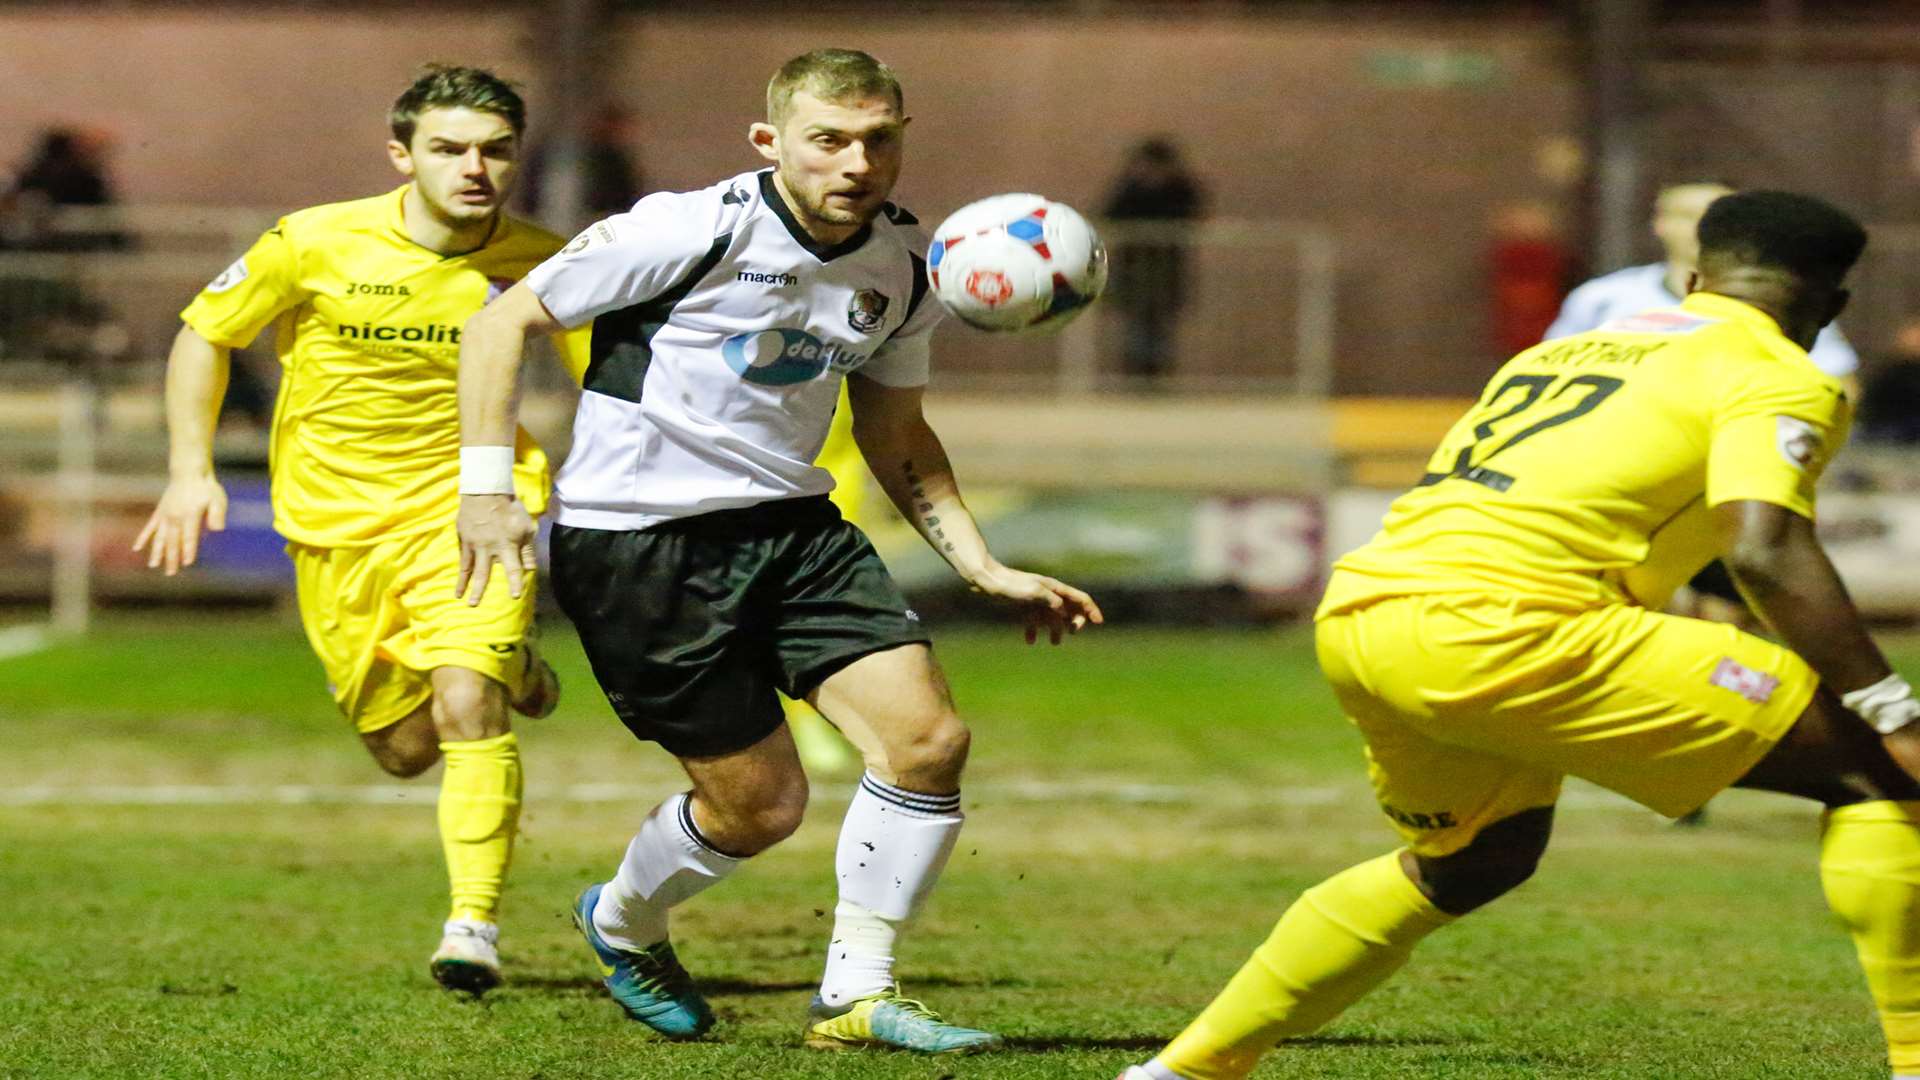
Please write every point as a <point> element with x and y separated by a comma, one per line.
<point>575,349</point>
<point>234,307</point>
<point>1772,439</point>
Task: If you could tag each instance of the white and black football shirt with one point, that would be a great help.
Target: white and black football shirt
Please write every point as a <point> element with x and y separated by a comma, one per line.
<point>721,334</point>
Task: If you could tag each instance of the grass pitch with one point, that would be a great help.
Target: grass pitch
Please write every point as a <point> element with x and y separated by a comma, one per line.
<point>1142,805</point>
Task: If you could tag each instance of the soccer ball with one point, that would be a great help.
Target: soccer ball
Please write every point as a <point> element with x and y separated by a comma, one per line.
<point>1016,263</point>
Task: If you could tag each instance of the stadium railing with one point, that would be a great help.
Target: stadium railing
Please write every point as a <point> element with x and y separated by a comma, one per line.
<point>1257,315</point>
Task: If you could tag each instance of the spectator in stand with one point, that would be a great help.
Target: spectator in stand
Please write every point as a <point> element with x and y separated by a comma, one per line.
<point>1156,191</point>
<point>53,318</point>
<point>1529,263</point>
<point>1891,411</point>
<point>66,170</point>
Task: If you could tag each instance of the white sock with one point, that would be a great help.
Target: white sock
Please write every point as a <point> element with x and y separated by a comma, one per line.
<point>1157,1071</point>
<point>893,845</point>
<point>667,862</point>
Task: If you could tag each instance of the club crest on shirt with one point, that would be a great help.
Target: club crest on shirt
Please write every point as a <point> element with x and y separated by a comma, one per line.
<point>867,310</point>
<point>1798,440</point>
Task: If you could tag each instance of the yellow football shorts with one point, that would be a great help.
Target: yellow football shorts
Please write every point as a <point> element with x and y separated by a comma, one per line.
<point>1475,706</point>
<point>382,617</point>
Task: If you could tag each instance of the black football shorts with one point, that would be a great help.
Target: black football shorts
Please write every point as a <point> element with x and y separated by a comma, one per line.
<point>692,625</point>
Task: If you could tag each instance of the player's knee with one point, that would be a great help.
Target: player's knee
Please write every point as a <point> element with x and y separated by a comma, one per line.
<point>1457,885</point>
<point>406,764</point>
<point>1487,879</point>
<point>401,756</point>
<point>775,823</point>
<point>1499,860</point>
<point>936,754</point>
<point>465,709</point>
<point>750,826</point>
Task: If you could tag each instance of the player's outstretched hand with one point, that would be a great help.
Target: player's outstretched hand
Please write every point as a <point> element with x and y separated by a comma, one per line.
<point>1052,605</point>
<point>171,535</point>
<point>493,528</point>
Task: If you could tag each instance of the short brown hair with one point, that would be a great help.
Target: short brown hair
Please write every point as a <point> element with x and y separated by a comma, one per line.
<point>447,86</point>
<point>830,75</point>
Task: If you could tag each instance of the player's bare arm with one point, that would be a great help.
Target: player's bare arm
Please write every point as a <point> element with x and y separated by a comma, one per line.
<point>911,464</point>
<point>493,526</point>
<point>1786,576</point>
<point>196,384</point>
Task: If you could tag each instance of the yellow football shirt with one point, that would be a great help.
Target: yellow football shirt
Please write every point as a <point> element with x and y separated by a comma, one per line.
<point>366,432</point>
<point>1588,470</point>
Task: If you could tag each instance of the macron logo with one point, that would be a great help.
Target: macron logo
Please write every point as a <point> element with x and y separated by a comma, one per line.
<point>754,277</point>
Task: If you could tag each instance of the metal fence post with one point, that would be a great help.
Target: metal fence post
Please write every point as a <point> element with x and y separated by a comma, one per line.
<point>72,586</point>
<point>1314,318</point>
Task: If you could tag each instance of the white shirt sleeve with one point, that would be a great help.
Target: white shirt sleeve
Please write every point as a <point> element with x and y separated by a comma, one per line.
<point>906,357</point>
<point>1833,353</point>
<point>1583,309</point>
<point>626,259</point>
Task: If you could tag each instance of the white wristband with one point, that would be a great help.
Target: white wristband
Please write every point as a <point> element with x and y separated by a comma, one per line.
<point>486,470</point>
<point>1887,705</point>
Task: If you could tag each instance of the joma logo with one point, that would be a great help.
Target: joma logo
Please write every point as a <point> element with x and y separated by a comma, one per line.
<point>361,288</point>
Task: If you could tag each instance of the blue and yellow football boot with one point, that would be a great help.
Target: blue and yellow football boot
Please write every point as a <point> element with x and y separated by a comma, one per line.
<point>648,983</point>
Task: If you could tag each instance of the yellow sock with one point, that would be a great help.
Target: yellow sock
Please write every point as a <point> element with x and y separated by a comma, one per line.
<point>1342,938</point>
<point>479,816</point>
<point>1870,867</point>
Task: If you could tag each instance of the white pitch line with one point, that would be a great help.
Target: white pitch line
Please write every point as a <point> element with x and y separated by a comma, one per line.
<point>1091,789</point>
<point>23,641</point>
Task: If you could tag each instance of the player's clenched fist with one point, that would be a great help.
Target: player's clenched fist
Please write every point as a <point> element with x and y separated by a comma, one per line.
<point>171,536</point>
<point>493,528</point>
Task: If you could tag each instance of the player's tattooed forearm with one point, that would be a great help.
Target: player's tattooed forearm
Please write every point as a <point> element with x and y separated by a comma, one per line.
<point>916,486</point>
<point>923,507</point>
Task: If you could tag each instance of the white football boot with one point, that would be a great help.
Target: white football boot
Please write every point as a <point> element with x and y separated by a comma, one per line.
<point>468,958</point>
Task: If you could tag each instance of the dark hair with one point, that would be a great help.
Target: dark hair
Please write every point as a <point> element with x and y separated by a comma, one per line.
<point>1812,239</point>
<point>830,75</point>
<point>1159,149</point>
<point>57,143</point>
<point>446,86</point>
